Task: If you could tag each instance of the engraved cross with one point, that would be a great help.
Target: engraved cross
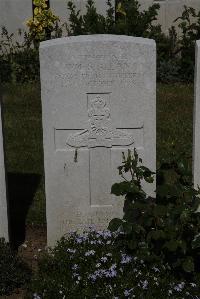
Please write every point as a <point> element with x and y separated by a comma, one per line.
<point>99,138</point>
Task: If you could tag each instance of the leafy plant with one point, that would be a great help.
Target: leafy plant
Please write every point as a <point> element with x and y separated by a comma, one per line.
<point>92,265</point>
<point>13,272</point>
<point>42,23</point>
<point>19,62</point>
<point>164,229</point>
<point>129,20</point>
<point>189,24</point>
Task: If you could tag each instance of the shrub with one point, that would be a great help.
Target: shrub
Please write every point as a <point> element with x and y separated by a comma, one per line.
<point>189,24</point>
<point>165,229</point>
<point>153,251</point>
<point>129,20</point>
<point>19,62</point>
<point>175,55</point>
<point>92,265</point>
<point>179,58</point>
<point>13,272</point>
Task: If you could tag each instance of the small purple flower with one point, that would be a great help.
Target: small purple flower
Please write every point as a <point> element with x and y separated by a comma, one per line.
<point>98,265</point>
<point>109,254</point>
<point>126,259</point>
<point>93,242</point>
<point>90,252</point>
<point>104,259</point>
<point>144,284</point>
<point>155,269</point>
<point>127,292</point>
<point>93,277</point>
<point>70,250</point>
<point>75,267</point>
<point>111,272</point>
<point>170,292</point>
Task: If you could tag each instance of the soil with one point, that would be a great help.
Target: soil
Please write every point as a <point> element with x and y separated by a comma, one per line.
<point>33,246</point>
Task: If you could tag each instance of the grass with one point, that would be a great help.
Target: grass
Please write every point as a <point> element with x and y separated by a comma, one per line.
<point>174,121</point>
<point>23,132</point>
<point>23,141</point>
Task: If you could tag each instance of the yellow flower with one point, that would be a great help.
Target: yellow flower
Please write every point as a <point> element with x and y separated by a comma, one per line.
<point>120,9</point>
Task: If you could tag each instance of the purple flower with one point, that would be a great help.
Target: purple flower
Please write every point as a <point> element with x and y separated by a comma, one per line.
<point>98,265</point>
<point>144,284</point>
<point>70,250</point>
<point>155,269</point>
<point>109,254</point>
<point>126,259</point>
<point>75,267</point>
<point>179,287</point>
<point>104,259</point>
<point>111,272</point>
<point>127,292</point>
<point>90,252</point>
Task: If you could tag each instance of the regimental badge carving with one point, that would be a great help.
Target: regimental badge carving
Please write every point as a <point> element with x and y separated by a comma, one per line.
<point>100,132</point>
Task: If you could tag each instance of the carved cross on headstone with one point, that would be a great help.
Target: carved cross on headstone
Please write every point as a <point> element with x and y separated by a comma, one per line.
<point>100,137</point>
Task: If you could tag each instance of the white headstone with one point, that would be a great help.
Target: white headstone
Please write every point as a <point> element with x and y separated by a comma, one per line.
<point>98,99</point>
<point>196,126</point>
<point>3,203</point>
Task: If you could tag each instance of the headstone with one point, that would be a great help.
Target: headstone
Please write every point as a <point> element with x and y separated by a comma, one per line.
<point>3,203</point>
<point>98,99</point>
<point>196,130</point>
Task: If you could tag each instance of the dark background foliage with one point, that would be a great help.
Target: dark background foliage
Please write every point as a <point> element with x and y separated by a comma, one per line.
<point>19,62</point>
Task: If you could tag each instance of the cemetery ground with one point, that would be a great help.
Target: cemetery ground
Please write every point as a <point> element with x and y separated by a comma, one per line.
<point>24,155</point>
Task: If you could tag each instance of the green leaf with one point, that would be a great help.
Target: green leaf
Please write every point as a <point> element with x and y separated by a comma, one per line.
<point>149,179</point>
<point>156,235</point>
<point>120,188</point>
<point>127,227</point>
<point>160,210</point>
<point>188,264</point>
<point>132,244</point>
<point>115,224</point>
<point>171,245</point>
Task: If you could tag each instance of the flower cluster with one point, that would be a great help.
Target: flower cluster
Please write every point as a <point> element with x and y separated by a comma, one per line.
<point>96,266</point>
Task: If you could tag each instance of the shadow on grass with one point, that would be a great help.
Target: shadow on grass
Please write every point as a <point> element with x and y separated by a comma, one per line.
<point>21,190</point>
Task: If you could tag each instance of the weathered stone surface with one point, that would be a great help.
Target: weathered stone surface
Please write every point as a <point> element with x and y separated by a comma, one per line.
<point>3,203</point>
<point>196,126</point>
<point>98,99</point>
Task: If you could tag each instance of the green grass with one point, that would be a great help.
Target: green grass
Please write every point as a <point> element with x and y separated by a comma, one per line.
<point>23,139</point>
<point>23,132</point>
<point>174,121</point>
